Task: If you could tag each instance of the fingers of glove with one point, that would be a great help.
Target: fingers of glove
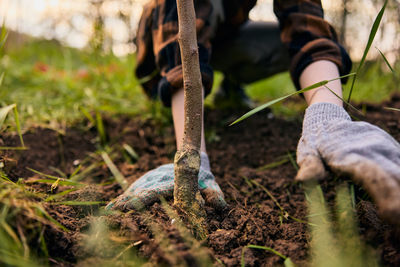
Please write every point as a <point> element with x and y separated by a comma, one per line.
<point>383,187</point>
<point>214,198</point>
<point>373,132</point>
<point>124,202</point>
<point>128,203</point>
<point>311,168</point>
<point>377,151</point>
<point>140,198</point>
<point>210,190</point>
<point>360,138</point>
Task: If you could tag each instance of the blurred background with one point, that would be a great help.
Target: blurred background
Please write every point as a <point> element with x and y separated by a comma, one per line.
<point>112,24</point>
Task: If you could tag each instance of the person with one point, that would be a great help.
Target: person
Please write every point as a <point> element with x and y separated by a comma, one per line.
<point>246,51</point>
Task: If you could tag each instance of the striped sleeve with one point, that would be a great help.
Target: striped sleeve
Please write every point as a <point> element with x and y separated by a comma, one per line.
<point>159,66</point>
<point>308,36</point>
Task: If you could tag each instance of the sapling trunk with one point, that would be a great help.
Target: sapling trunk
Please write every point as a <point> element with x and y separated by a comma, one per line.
<point>187,159</point>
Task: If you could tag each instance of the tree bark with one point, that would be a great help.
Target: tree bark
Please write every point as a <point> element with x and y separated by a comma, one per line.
<point>187,159</point>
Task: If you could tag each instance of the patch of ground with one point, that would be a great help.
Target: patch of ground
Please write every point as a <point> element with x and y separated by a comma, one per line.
<point>237,155</point>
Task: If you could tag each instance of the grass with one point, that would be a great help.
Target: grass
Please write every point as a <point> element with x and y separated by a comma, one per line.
<point>284,215</point>
<point>55,85</point>
<point>371,37</point>
<point>114,170</point>
<point>105,246</point>
<point>334,233</point>
<point>4,111</point>
<point>22,220</point>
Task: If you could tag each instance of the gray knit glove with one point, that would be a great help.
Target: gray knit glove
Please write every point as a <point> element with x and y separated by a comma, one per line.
<point>160,183</point>
<point>363,151</point>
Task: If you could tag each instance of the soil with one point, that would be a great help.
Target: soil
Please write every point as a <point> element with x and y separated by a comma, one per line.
<point>236,154</point>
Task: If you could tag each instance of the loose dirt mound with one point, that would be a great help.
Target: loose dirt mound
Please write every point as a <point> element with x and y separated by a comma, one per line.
<point>237,155</point>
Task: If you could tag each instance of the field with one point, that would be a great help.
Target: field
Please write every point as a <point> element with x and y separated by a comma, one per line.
<point>87,126</point>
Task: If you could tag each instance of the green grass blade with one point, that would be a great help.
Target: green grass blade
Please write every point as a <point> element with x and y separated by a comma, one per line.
<point>371,38</point>
<point>353,250</point>
<point>59,172</point>
<point>273,164</point>
<point>344,101</point>
<point>3,115</point>
<point>75,171</point>
<point>61,182</point>
<point>270,103</point>
<point>11,232</point>
<point>394,109</point>
<point>372,34</point>
<point>4,112</point>
<point>43,245</point>
<point>114,170</point>
<point>15,259</point>
<point>2,42</point>
<point>268,249</point>
<point>45,175</point>
<point>13,148</point>
<point>131,151</point>
<point>3,35</point>
<point>41,210</point>
<point>85,172</point>
<point>5,178</point>
<point>1,78</point>
<point>86,113</point>
<point>287,261</point>
<point>268,193</point>
<point>293,161</point>
<point>383,56</point>
<point>242,263</point>
<point>324,250</point>
<point>18,124</point>
<point>100,128</point>
<point>61,194</point>
<point>78,203</point>
<point>258,109</point>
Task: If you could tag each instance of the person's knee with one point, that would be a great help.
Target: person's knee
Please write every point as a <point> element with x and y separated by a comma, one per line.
<point>255,52</point>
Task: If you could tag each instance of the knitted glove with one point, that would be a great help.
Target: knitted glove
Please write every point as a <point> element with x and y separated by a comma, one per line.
<point>160,183</point>
<point>363,151</point>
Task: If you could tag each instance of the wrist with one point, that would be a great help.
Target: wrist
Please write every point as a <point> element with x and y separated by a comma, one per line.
<point>319,71</point>
<point>320,113</point>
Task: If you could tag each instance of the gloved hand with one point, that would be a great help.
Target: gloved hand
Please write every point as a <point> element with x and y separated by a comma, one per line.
<point>160,183</point>
<point>363,151</point>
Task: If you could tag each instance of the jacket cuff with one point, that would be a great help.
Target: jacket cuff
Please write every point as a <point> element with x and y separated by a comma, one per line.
<point>319,113</point>
<point>172,75</point>
<point>173,81</point>
<point>320,49</point>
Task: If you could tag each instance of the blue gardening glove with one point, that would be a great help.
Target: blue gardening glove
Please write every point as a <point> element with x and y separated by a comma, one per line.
<point>160,183</point>
<point>363,151</point>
